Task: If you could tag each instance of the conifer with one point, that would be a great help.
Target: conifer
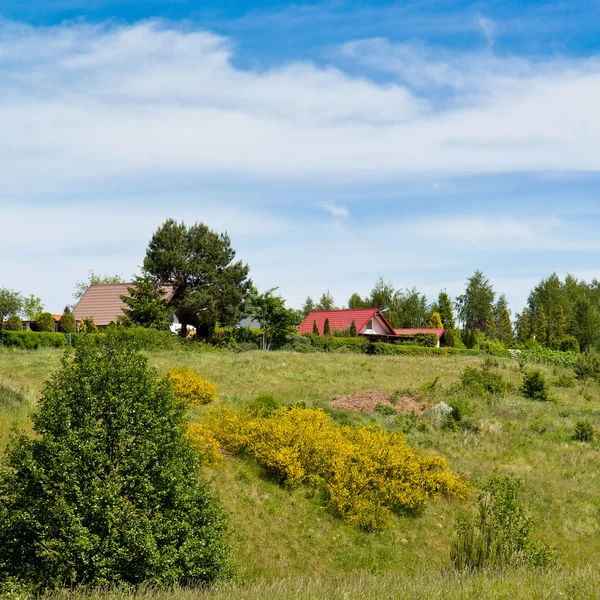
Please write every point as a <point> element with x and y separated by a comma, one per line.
<point>436,321</point>
<point>326,328</point>
<point>315,328</point>
<point>353,332</point>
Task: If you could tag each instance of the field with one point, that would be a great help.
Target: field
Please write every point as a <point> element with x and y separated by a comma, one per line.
<point>286,546</point>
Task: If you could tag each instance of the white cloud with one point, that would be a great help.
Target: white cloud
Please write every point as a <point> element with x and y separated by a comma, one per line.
<point>88,103</point>
<point>335,210</point>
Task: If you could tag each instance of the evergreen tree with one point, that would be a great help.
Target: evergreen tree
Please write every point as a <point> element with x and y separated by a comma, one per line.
<point>586,324</point>
<point>558,327</point>
<point>326,327</point>
<point>491,329</point>
<point>436,321</point>
<point>541,327</point>
<point>308,306</point>
<point>356,301</point>
<point>505,329</point>
<point>315,328</point>
<point>146,305</point>
<point>353,332</point>
<point>326,302</point>
<point>106,491</point>
<point>67,323</point>
<point>45,323</point>
<point>444,307</point>
<point>523,327</point>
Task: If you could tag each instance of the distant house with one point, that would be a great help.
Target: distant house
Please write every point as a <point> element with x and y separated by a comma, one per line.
<point>368,321</point>
<point>102,302</point>
<point>28,324</point>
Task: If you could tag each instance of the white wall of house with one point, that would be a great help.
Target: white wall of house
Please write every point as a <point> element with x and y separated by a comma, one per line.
<point>375,326</point>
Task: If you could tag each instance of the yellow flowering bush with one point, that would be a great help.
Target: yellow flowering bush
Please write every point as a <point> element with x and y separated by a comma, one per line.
<point>190,387</point>
<point>366,474</point>
<point>206,444</point>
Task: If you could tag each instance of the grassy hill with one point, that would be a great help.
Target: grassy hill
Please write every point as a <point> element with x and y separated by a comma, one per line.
<point>286,546</point>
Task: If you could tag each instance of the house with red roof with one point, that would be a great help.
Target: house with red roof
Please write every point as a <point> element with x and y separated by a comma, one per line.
<point>369,322</point>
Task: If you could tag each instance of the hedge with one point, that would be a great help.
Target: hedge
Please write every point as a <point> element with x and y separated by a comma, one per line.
<point>359,345</point>
<point>383,349</point>
<point>141,337</point>
<point>30,340</point>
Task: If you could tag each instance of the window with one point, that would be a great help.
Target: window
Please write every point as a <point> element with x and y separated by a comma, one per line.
<point>369,324</point>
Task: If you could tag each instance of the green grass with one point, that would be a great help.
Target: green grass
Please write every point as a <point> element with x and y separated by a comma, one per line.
<point>286,546</point>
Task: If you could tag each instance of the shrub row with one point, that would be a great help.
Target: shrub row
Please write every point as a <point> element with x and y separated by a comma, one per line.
<point>382,348</point>
<point>364,474</point>
<point>31,340</point>
<point>547,356</point>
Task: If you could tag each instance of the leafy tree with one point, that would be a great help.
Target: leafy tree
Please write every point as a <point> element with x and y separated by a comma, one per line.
<point>315,327</point>
<point>32,307</point>
<point>444,307</point>
<point>67,323</point>
<point>436,321</point>
<point>326,302</point>
<point>308,306</point>
<point>45,323</point>
<point>276,321</point>
<point>523,327</point>
<point>208,286</point>
<point>13,323</point>
<point>326,327</point>
<point>94,279</point>
<point>586,324</point>
<point>382,296</point>
<point>353,332</point>
<point>146,304</point>
<point>410,309</point>
<point>474,305</point>
<point>107,492</point>
<point>11,302</point>
<point>356,301</point>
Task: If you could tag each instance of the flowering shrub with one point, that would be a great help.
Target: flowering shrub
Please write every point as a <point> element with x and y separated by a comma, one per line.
<point>365,474</point>
<point>192,388</point>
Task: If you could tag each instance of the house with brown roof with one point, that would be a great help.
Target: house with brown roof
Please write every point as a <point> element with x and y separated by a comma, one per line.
<point>102,302</point>
<point>369,322</point>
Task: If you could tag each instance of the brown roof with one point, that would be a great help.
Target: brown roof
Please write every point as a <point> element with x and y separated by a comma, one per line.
<point>102,302</point>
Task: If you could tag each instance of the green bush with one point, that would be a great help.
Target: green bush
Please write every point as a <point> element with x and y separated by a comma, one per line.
<point>30,340</point>
<point>564,381</point>
<point>498,534</point>
<point>13,323</point>
<point>67,323</point>
<point>299,343</point>
<point>106,492</point>
<point>569,343</point>
<point>547,356</point>
<point>140,337</point>
<point>584,431</point>
<point>263,405</point>
<point>427,340</point>
<point>535,386</point>
<point>410,350</point>
<point>45,323</point>
<point>493,347</point>
<point>483,381</point>
<point>587,365</point>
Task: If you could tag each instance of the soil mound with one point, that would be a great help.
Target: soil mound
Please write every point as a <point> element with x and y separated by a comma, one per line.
<point>367,401</point>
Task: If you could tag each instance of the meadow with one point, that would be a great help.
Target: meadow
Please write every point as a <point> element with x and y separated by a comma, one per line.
<point>286,546</point>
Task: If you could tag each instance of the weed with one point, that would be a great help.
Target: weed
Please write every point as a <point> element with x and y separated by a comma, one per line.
<point>584,431</point>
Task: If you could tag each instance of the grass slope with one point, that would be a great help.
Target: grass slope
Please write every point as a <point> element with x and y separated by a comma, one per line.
<point>286,546</point>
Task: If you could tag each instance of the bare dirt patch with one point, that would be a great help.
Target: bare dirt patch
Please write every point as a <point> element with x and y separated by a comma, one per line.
<point>367,401</point>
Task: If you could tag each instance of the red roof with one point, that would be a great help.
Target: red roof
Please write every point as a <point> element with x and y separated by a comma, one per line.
<point>341,319</point>
<point>414,330</point>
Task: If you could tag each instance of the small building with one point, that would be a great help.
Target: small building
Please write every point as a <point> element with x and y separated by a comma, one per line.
<point>369,322</point>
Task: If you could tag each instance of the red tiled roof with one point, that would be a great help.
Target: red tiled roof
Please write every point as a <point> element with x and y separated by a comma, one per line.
<point>414,330</point>
<point>102,302</point>
<point>340,319</point>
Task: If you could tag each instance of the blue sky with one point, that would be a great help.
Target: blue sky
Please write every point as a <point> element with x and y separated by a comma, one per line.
<point>336,142</point>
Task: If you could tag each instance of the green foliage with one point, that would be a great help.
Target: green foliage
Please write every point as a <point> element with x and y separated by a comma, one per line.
<point>523,327</point>
<point>547,356</point>
<point>356,301</point>
<point>381,348</point>
<point>504,328</point>
<point>353,332</point>
<point>436,321</point>
<point>209,287</point>
<point>67,323</point>
<point>263,405</point>
<point>276,321</point>
<point>585,325</point>
<point>568,343</point>
<point>31,307</point>
<point>475,304</point>
<point>483,381</point>
<point>308,306</point>
<point>326,328</point>
<point>315,328</point>
<point>587,365</point>
<point>141,338</point>
<point>326,302</point>
<point>11,302</point>
<point>535,386</point>
<point>13,323</point>
<point>338,344</point>
<point>492,347</point>
<point>30,340</point>
<point>87,325</point>
<point>427,340</point>
<point>145,304</point>
<point>45,323</point>
<point>564,381</point>
<point>583,431</point>
<point>498,535</point>
<point>107,490</point>
<point>444,307</point>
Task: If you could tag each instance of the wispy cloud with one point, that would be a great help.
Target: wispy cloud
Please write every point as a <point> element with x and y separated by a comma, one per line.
<point>335,210</point>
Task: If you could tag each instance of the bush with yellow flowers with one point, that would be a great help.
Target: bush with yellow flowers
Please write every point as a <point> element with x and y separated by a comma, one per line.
<point>190,387</point>
<point>365,474</point>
